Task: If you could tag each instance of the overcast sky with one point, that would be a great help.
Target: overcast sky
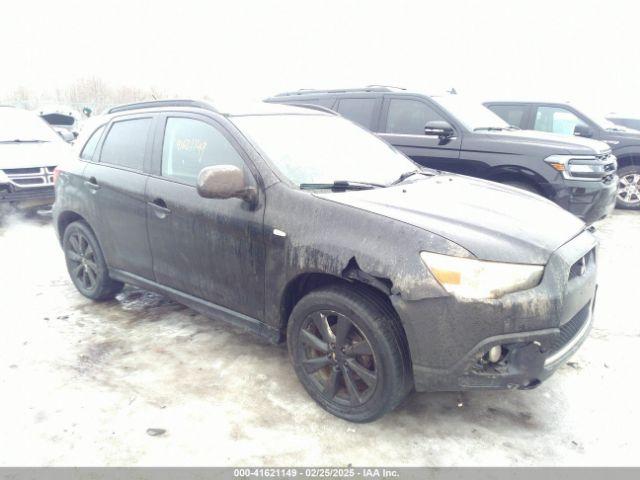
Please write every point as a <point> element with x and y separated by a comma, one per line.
<point>584,51</point>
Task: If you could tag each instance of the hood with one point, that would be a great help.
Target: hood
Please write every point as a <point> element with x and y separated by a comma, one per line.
<point>623,133</point>
<point>549,141</point>
<point>26,155</point>
<point>492,221</point>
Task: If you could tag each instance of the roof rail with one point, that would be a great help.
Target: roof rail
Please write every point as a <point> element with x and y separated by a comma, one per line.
<point>162,103</point>
<point>308,91</point>
<point>390,87</point>
<point>320,108</point>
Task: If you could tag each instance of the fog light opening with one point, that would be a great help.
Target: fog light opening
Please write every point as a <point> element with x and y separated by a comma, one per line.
<point>494,354</point>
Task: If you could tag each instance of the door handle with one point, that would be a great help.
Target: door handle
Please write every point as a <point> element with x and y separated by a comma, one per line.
<point>159,207</point>
<point>92,184</point>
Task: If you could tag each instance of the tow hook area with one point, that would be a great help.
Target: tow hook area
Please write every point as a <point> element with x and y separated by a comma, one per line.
<point>520,363</point>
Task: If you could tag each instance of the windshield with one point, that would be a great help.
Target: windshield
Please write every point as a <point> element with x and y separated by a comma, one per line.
<point>471,114</point>
<point>318,149</point>
<point>18,125</point>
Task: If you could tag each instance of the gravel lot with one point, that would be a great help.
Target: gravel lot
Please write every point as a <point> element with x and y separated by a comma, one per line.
<point>82,383</point>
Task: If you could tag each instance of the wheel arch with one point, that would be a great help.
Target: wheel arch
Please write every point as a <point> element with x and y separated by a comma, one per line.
<point>65,219</point>
<point>352,277</point>
<point>520,174</point>
<point>627,159</point>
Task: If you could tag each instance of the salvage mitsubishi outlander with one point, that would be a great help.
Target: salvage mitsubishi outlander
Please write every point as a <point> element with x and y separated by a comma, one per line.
<point>300,226</point>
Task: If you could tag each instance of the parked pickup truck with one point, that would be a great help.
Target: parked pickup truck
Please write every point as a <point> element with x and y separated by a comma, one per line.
<point>566,119</point>
<point>447,132</point>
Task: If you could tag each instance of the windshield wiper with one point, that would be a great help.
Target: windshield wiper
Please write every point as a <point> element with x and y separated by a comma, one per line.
<point>411,173</point>
<point>341,185</point>
<point>19,140</point>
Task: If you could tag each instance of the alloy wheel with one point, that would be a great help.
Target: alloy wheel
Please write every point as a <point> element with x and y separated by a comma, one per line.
<point>82,260</point>
<point>629,188</point>
<point>337,357</point>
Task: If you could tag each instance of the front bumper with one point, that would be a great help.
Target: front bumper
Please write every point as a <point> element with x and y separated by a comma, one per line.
<point>538,329</point>
<point>591,201</point>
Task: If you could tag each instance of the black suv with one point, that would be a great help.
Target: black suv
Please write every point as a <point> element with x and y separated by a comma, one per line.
<point>566,119</point>
<point>448,133</point>
<point>382,277</point>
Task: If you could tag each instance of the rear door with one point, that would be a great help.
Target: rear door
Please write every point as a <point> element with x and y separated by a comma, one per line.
<point>117,182</point>
<point>212,249</point>
<point>402,125</point>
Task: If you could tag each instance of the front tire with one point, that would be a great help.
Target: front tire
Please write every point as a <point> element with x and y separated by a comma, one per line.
<point>86,265</point>
<point>349,352</point>
<point>628,195</point>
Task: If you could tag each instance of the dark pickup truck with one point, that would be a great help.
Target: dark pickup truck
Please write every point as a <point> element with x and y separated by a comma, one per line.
<point>564,118</point>
<point>448,133</point>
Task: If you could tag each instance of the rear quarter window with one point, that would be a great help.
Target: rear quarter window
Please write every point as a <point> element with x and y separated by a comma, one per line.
<point>358,110</point>
<point>512,114</point>
<point>90,147</point>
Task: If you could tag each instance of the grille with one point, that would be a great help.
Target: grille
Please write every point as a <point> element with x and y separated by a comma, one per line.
<point>30,177</point>
<point>571,328</point>
<point>579,268</point>
<point>29,181</point>
<point>22,171</point>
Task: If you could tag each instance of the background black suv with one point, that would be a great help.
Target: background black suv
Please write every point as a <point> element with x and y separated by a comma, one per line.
<point>566,119</point>
<point>447,133</point>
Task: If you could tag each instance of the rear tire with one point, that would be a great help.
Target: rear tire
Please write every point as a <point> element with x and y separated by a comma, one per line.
<point>349,352</point>
<point>628,195</point>
<point>86,264</point>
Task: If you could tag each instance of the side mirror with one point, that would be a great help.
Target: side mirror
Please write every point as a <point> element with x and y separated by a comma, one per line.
<point>439,128</point>
<point>87,111</point>
<point>224,181</point>
<point>66,135</point>
<point>582,131</point>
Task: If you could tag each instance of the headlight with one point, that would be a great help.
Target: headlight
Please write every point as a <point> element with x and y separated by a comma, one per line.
<point>581,167</point>
<point>477,279</point>
<point>3,177</point>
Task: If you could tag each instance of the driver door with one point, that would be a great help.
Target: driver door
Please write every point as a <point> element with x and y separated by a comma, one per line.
<point>212,249</point>
<point>403,125</point>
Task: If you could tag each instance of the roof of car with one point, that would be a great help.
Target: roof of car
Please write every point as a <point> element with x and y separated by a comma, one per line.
<point>232,109</point>
<point>370,89</point>
<point>527,100</point>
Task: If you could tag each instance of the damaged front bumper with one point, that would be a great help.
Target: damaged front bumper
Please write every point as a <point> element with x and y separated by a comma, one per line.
<point>537,329</point>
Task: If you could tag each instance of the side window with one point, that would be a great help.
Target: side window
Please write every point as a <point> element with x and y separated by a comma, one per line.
<point>556,120</point>
<point>358,110</point>
<point>125,143</point>
<point>409,116</point>
<point>190,145</point>
<point>90,147</point>
<point>512,114</point>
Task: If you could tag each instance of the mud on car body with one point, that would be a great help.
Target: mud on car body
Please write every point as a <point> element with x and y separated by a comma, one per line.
<point>301,226</point>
